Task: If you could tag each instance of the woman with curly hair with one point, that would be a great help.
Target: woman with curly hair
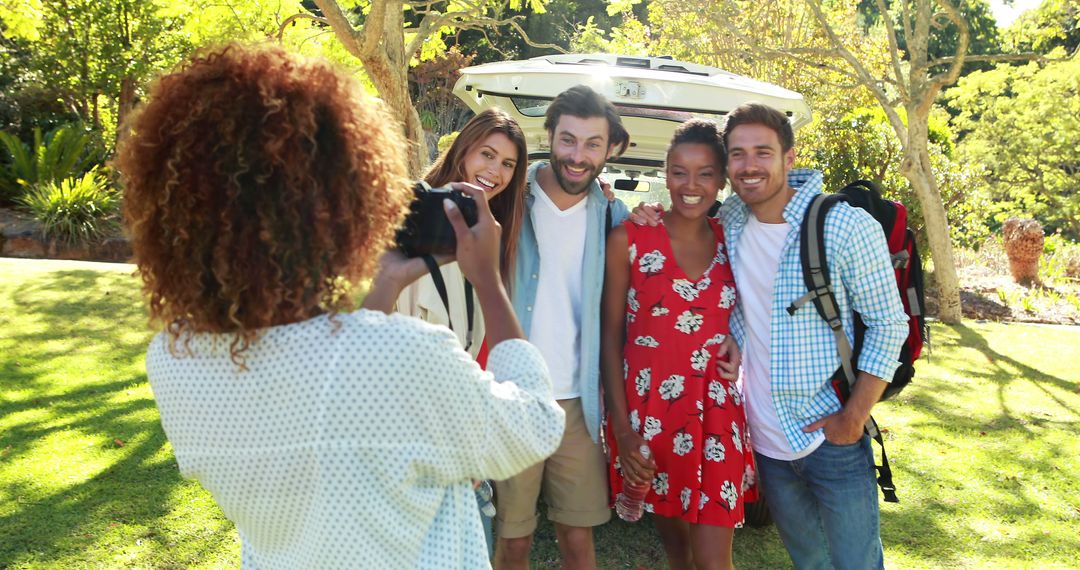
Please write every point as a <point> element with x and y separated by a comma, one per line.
<point>259,187</point>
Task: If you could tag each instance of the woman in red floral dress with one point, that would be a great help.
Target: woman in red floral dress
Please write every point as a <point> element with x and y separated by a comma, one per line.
<point>668,297</point>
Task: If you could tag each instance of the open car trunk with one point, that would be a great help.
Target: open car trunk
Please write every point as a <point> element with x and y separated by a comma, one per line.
<point>652,94</point>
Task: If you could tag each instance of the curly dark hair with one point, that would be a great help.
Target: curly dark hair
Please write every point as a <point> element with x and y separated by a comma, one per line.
<point>509,206</point>
<point>702,131</point>
<point>259,185</point>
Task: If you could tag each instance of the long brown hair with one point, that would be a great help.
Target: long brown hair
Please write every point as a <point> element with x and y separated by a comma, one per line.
<point>509,206</point>
<point>258,185</point>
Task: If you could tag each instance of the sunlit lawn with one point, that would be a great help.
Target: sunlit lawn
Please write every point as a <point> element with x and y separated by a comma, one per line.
<point>985,445</point>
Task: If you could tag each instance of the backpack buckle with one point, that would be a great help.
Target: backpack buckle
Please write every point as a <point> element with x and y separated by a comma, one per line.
<point>900,260</point>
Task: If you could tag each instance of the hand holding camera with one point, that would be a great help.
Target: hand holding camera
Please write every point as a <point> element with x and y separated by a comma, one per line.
<point>429,230</point>
<point>478,246</point>
<point>426,231</point>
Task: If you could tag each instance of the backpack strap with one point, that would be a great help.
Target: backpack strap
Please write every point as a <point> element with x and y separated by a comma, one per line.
<point>607,219</point>
<point>816,276</point>
<point>820,291</point>
<point>440,286</point>
<point>884,480</point>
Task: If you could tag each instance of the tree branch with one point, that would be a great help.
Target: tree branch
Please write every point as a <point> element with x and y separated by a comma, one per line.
<point>937,82</point>
<point>352,39</point>
<point>918,44</point>
<point>992,58</point>
<point>894,47</point>
<point>796,54</point>
<point>470,21</point>
<point>295,17</point>
<point>525,36</point>
<point>860,70</point>
<point>431,21</point>
<point>905,21</point>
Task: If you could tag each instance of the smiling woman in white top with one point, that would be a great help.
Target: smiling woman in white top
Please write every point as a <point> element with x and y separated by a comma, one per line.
<point>490,153</point>
<point>259,185</point>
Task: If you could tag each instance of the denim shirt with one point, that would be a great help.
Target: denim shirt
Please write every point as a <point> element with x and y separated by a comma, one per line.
<point>802,346</point>
<point>527,275</point>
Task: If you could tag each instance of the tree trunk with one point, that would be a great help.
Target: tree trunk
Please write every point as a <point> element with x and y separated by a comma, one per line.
<point>916,168</point>
<point>386,64</point>
<point>127,100</point>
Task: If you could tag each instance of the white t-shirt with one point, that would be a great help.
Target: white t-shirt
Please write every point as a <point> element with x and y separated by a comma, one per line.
<point>556,321</point>
<point>755,263</point>
<point>351,441</point>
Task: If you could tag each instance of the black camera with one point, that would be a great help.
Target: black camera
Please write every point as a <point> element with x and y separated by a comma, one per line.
<point>427,230</point>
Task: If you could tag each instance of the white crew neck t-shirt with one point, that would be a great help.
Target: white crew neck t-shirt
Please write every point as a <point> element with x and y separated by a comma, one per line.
<point>556,321</point>
<point>755,263</point>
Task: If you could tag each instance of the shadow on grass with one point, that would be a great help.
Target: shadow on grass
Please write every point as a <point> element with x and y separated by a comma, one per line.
<point>979,460</point>
<point>76,353</point>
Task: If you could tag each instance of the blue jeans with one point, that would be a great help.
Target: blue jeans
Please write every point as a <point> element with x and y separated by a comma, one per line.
<point>825,506</point>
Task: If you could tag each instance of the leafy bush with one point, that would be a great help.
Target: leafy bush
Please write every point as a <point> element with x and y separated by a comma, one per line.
<point>1060,259</point>
<point>75,210</point>
<point>66,152</point>
<point>862,144</point>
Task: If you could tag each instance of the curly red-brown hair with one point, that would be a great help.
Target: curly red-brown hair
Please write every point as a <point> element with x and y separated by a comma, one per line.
<point>258,185</point>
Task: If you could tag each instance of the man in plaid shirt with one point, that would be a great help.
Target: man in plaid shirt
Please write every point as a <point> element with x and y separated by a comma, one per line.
<point>814,461</point>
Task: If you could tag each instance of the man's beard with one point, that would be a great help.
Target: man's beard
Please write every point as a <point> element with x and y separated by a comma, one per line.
<point>574,188</point>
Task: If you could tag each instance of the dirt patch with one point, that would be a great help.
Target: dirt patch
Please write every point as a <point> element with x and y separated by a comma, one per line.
<point>989,292</point>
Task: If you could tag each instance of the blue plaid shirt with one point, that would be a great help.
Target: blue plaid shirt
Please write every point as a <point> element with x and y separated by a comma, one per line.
<point>802,347</point>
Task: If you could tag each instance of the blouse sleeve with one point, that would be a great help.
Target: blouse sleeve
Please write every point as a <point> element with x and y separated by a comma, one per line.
<point>497,422</point>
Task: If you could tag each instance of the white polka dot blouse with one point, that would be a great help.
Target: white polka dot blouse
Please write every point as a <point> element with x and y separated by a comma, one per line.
<point>350,442</point>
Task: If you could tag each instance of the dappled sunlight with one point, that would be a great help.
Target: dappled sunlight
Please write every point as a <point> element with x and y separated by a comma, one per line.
<point>983,446</point>
<point>85,465</point>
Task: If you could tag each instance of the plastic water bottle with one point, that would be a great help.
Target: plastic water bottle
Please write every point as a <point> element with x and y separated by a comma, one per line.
<point>484,493</point>
<point>630,504</point>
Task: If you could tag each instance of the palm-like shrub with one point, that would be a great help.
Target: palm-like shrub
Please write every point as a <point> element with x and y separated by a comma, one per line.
<point>63,153</point>
<point>75,210</point>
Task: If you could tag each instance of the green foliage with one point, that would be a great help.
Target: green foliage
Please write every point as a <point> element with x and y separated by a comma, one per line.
<point>65,152</point>
<point>93,53</point>
<point>558,24</point>
<point>1060,260</point>
<point>1028,303</point>
<point>1021,125</point>
<point>75,210</point>
<point>984,36</point>
<point>446,140</point>
<point>699,32</point>
<point>26,102</point>
<point>631,38</point>
<point>862,144</point>
<point>1054,24</point>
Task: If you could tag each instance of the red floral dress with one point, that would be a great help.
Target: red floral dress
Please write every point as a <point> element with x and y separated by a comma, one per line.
<point>692,419</point>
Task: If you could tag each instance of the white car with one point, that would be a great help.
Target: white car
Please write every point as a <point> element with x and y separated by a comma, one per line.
<point>652,94</point>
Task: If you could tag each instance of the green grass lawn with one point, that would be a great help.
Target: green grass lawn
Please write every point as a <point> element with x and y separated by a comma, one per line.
<point>985,446</point>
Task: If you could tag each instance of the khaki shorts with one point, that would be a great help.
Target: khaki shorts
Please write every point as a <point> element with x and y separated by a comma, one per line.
<point>573,481</point>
